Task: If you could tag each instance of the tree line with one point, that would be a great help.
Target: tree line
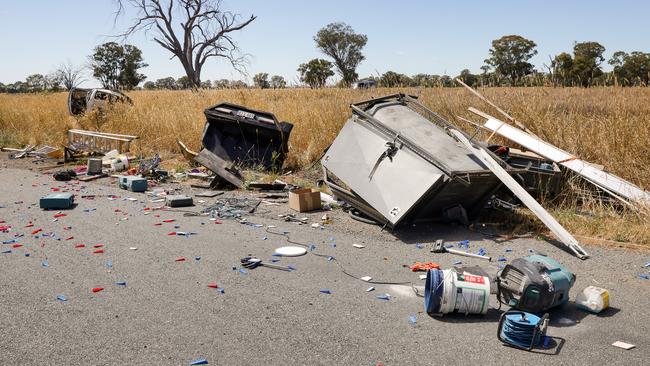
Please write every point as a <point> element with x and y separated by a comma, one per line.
<point>207,31</point>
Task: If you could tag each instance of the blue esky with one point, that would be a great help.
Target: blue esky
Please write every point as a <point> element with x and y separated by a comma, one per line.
<point>408,36</point>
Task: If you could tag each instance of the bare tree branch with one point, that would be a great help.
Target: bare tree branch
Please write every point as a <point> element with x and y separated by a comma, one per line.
<point>191,30</point>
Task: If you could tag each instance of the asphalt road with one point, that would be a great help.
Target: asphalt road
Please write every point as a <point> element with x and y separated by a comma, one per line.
<point>167,315</point>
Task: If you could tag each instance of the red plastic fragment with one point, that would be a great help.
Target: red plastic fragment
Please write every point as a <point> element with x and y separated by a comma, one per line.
<point>218,222</point>
<point>56,216</point>
<point>98,245</point>
<point>80,245</point>
<point>180,259</point>
<point>97,289</point>
<point>36,231</point>
<point>16,245</point>
<point>157,224</point>
<point>29,225</point>
<point>69,238</point>
<point>169,220</point>
<point>171,233</point>
<point>98,251</point>
<point>212,285</point>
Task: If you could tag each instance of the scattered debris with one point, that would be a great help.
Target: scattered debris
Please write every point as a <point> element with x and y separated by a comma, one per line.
<point>438,247</point>
<point>623,345</point>
<point>82,100</point>
<point>178,201</point>
<point>290,251</point>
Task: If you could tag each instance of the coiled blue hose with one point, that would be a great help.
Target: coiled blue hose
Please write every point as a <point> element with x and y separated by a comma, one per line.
<point>522,330</point>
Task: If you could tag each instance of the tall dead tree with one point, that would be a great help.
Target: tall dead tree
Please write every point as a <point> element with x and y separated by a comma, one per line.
<point>69,75</point>
<point>192,30</point>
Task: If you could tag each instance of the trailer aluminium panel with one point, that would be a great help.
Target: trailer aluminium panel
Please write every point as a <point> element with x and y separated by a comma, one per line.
<point>395,161</point>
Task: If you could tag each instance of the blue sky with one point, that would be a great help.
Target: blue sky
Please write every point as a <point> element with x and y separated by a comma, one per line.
<point>407,36</point>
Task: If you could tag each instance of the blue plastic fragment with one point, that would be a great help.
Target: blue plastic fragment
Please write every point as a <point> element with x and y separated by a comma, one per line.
<point>243,271</point>
<point>27,254</point>
<point>419,246</point>
<point>463,243</point>
<point>456,263</point>
<point>45,264</point>
<point>197,258</point>
<point>333,245</point>
<point>413,320</point>
<point>325,291</point>
<point>370,289</point>
<point>383,297</point>
<point>647,264</point>
<point>311,247</point>
<point>292,268</point>
<point>61,298</point>
<point>502,259</point>
<point>200,361</point>
<point>275,260</point>
<point>508,250</point>
<point>644,276</point>
<point>481,251</point>
<point>221,291</point>
<point>276,255</point>
<point>449,246</point>
<point>121,283</point>
<point>330,258</point>
<point>6,251</point>
<point>547,342</point>
<point>264,238</point>
<point>109,264</point>
<point>10,241</point>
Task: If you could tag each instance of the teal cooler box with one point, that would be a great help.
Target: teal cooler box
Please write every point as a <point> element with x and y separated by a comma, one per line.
<point>57,201</point>
<point>132,183</point>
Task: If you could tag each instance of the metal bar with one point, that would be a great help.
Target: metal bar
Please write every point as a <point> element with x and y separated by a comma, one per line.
<point>526,198</point>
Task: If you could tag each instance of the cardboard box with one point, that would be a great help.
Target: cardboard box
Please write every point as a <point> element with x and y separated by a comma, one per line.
<point>57,201</point>
<point>303,200</point>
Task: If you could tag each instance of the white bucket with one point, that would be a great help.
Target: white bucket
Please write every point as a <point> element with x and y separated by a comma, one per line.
<point>448,291</point>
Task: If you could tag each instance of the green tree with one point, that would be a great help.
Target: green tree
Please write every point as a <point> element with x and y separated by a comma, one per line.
<point>116,66</point>
<point>509,57</point>
<point>132,60</point>
<point>183,82</point>
<point>278,82</point>
<point>343,45</point>
<point>587,58</point>
<point>468,78</point>
<point>35,83</point>
<point>261,80</point>
<point>391,79</point>
<point>631,69</point>
<point>166,83</point>
<point>315,72</point>
<point>562,69</point>
<point>149,85</point>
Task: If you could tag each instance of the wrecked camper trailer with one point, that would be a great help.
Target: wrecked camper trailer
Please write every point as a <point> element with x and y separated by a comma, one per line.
<point>82,100</point>
<point>395,165</point>
<point>235,136</point>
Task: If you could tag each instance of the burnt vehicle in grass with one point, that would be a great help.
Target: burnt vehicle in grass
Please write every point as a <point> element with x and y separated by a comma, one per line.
<point>81,100</point>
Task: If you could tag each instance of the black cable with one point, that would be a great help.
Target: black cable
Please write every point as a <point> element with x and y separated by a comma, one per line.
<point>359,218</point>
<point>288,238</point>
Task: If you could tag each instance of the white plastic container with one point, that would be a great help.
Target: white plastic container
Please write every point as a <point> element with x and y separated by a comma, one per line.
<point>593,299</point>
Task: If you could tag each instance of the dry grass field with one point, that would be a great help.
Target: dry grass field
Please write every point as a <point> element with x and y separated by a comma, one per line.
<point>608,126</point>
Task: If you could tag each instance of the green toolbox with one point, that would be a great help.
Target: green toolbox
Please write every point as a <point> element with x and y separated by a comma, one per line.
<point>57,201</point>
